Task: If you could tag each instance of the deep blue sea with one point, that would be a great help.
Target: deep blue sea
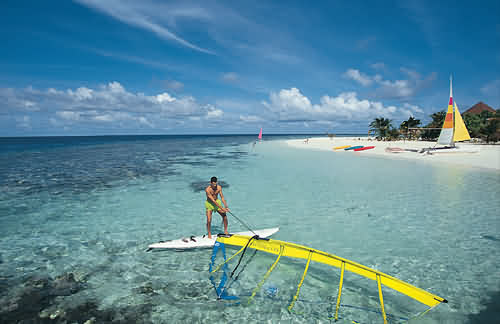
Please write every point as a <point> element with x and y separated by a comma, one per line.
<point>77,214</point>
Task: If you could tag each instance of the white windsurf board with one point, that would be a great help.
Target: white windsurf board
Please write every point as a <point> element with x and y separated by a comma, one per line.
<point>193,242</point>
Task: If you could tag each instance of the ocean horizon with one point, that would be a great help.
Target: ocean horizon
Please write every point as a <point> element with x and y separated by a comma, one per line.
<point>77,214</point>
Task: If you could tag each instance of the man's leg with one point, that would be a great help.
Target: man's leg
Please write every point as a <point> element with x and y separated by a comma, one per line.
<point>224,219</point>
<point>209,223</point>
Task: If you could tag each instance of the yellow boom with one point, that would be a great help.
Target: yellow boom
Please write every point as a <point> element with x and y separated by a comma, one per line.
<point>292,250</point>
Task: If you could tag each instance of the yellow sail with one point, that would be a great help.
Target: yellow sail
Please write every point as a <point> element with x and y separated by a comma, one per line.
<point>292,250</point>
<point>460,133</point>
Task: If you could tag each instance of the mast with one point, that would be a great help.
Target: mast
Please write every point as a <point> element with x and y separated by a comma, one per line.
<point>453,108</point>
<point>451,86</point>
<point>446,135</point>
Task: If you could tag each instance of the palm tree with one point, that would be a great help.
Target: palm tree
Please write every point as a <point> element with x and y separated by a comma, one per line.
<point>437,122</point>
<point>381,127</point>
<point>437,119</point>
<point>393,134</point>
<point>410,123</point>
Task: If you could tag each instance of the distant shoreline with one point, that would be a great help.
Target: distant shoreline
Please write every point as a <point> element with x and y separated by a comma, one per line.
<point>485,156</point>
<point>183,135</point>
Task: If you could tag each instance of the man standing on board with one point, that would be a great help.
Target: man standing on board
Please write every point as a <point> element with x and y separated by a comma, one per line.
<point>213,203</point>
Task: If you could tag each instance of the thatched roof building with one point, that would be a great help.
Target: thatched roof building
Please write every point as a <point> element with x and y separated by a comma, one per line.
<point>478,108</point>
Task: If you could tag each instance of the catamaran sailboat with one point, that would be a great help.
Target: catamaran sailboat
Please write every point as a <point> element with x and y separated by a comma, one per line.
<point>453,130</point>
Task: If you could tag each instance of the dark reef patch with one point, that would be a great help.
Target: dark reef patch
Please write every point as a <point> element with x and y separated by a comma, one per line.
<point>36,301</point>
<point>491,313</point>
<point>491,238</point>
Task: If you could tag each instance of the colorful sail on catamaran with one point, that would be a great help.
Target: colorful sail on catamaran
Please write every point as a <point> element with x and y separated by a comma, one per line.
<point>454,129</point>
<point>285,250</point>
<point>260,134</point>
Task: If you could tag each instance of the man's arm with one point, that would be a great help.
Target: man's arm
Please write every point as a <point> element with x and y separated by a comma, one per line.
<point>222,198</point>
<point>211,198</point>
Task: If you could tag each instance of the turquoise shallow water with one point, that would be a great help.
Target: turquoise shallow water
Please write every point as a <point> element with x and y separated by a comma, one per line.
<point>90,206</point>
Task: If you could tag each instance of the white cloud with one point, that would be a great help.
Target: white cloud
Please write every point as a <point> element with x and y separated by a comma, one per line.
<point>409,110</point>
<point>403,88</point>
<point>227,26</point>
<point>358,76</point>
<point>164,97</point>
<point>398,88</point>
<point>10,99</point>
<point>291,105</point>
<point>348,106</point>
<point>144,121</point>
<point>146,16</point>
<point>413,108</point>
<point>111,104</point>
<point>291,100</point>
<point>214,113</point>
<point>115,87</point>
<point>112,107</point>
<point>30,105</point>
<point>115,116</point>
<point>103,118</point>
<point>81,93</point>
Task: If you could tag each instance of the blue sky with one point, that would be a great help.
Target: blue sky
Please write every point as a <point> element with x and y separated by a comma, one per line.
<point>92,67</point>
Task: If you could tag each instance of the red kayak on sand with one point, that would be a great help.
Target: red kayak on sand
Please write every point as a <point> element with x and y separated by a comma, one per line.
<point>363,148</point>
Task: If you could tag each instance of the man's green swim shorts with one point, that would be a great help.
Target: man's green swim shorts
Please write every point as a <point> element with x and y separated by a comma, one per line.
<point>211,206</point>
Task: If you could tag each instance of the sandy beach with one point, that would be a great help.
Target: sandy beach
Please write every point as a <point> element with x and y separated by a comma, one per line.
<point>471,155</point>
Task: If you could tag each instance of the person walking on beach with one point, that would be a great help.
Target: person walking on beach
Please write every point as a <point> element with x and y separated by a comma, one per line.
<point>213,203</point>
